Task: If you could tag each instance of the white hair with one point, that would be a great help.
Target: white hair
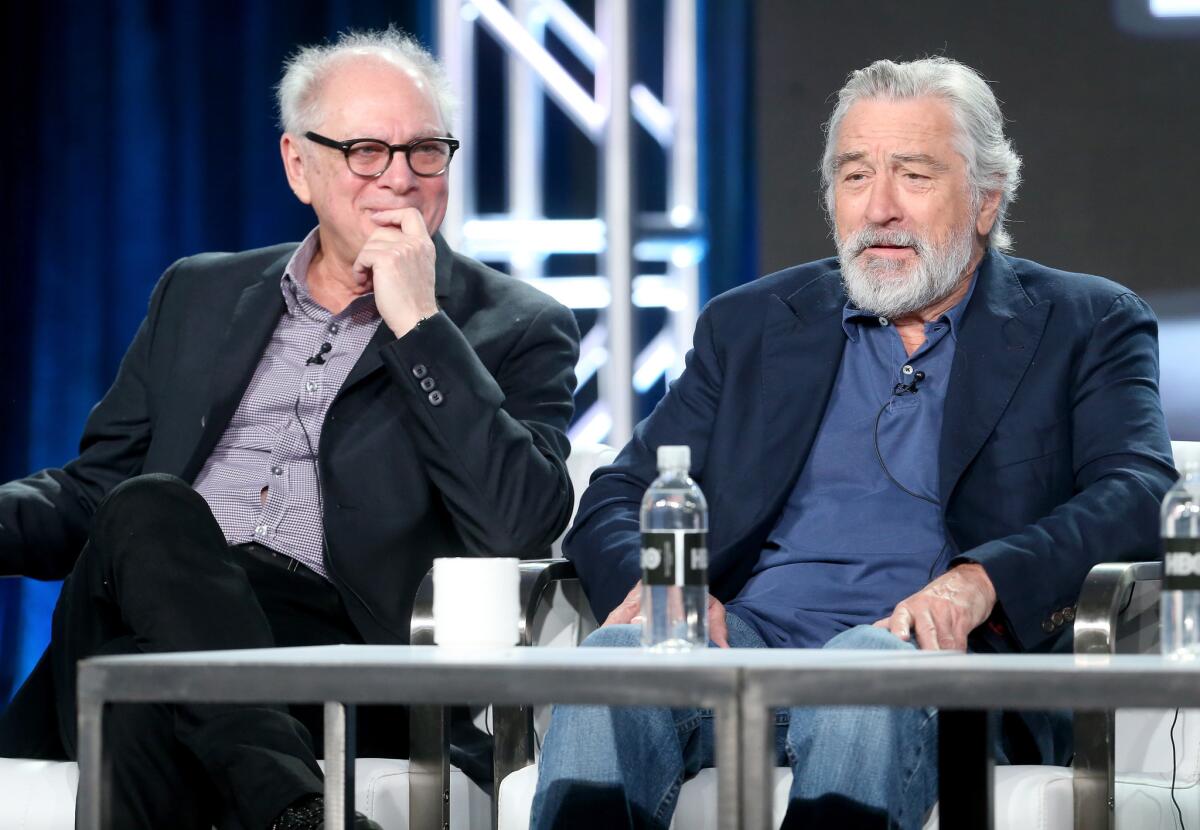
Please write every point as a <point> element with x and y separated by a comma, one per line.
<point>298,93</point>
<point>992,163</point>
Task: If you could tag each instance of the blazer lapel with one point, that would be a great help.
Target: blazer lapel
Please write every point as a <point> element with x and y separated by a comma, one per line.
<point>254,318</point>
<point>370,361</point>
<point>802,345</point>
<point>997,340</point>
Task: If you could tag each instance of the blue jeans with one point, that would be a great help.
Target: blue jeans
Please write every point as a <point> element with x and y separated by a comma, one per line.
<point>613,767</point>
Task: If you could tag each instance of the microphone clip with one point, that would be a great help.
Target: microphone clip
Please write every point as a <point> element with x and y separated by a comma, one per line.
<point>909,388</point>
<point>319,357</point>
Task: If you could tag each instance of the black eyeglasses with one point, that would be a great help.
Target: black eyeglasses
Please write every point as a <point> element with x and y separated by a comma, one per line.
<point>370,157</point>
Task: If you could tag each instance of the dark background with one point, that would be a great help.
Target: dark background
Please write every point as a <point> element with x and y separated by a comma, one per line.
<point>1107,122</point>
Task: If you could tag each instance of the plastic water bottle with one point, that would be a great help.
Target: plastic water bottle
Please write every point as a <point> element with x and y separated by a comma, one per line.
<point>1180,606</point>
<point>674,557</point>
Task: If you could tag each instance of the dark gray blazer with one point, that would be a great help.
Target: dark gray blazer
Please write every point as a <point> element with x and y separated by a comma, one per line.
<point>478,470</point>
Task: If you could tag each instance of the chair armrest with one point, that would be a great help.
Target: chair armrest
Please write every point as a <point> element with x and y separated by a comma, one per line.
<point>1117,610</point>
<point>1106,595</point>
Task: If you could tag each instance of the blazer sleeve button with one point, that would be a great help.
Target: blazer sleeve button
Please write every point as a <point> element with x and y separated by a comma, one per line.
<point>436,398</point>
<point>428,384</point>
<point>419,371</point>
<point>1047,626</point>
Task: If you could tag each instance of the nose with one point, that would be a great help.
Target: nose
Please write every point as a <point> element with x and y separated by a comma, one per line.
<point>398,177</point>
<point>883,208</point>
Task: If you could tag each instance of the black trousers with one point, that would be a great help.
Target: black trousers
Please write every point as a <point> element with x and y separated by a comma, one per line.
<point>157,575</point>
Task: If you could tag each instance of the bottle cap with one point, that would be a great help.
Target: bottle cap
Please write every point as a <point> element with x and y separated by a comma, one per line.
<point>674,458</point>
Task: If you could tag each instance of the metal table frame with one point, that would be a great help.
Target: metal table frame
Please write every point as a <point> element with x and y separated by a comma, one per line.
<point>743,687</point>
<point>344,676</point>
<point>964,688</point>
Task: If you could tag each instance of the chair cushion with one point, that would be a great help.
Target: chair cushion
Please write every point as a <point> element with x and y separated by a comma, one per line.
<point>40,795</point>
<point>1027,798</point>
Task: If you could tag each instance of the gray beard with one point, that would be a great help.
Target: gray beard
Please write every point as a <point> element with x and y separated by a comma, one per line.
<point>888,288</point>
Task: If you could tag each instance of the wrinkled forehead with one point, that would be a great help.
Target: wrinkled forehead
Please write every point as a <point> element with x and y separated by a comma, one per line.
<point>913,127</point>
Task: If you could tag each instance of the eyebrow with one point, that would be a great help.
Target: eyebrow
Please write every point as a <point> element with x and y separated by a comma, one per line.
<point>842,159</point>
<point>920,158</point>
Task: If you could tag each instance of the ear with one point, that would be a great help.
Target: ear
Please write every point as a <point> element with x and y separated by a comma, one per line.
<point>987,212</point>
<point>294,167</point>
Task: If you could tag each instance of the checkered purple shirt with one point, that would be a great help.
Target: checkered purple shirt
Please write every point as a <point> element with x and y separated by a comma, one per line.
<point>272,440</point>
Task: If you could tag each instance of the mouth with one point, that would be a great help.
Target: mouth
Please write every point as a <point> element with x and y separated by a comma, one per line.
<point>890,251</point>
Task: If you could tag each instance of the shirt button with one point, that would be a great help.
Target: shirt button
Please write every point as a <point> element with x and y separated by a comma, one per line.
<point>310,386</point>
<point>907,369</point>
<point>419,371</point>
<point>883,321</point>
<point>277,471</point>
<point>333,328</point>
<point>261,530</point>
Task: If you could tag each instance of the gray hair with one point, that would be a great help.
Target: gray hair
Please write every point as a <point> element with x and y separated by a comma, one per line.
<point>992,163</point>
<point>306,69</point>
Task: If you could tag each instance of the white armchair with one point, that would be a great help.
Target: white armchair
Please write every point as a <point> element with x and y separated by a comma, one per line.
<point>1121,775</point>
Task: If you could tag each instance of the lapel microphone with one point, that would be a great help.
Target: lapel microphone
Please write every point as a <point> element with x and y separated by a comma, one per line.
<point>909,388</point>
<point>319,357</point>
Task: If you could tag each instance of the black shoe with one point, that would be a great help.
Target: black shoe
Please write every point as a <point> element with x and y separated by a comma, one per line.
<point>308,813</point>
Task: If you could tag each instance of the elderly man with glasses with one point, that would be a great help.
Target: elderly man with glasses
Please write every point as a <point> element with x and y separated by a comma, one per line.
<point>293,436</point>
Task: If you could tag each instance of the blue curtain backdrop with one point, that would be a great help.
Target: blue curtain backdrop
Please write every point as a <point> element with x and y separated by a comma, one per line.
<point>140,132</point>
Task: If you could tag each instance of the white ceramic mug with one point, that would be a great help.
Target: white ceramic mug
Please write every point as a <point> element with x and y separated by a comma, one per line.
<point>476,602</point>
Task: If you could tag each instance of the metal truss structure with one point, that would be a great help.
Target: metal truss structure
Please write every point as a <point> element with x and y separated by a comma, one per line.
<point>621,237</point>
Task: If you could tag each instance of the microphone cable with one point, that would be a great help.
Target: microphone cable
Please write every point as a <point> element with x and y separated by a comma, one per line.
<point>1174,769</point>
<point>899,389</point>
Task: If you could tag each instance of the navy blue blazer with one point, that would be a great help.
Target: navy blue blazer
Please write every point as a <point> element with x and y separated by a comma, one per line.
<point>1053,457</point>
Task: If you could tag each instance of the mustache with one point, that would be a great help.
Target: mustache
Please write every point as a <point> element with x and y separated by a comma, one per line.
<point>870,237</point>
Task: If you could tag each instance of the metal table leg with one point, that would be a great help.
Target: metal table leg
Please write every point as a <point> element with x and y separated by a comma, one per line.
<point>339,766</point>
<point>91,802</point>
<point>729,761</point>
<point>965,769</point>
<point>758,761</point>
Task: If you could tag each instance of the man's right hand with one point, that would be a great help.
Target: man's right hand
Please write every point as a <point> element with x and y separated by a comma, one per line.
<point>630,611</point>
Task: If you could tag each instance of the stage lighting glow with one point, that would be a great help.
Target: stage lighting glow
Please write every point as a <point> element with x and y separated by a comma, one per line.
<point>649,291</point>
<point>575,101</point>
<point>1175,8</point>
<point>653,361</point>
<point>574,32</point>
<point>545,236</point>
<point>652,115</point>
<point>593,353</point>
<point>593,426</point>
<point>682,216</point>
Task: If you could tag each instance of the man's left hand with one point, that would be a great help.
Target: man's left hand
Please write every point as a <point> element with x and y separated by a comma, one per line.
<point>946,610</point>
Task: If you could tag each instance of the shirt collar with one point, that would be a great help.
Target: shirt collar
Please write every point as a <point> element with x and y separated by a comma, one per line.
<point>853,317</point>
<point>294,283</point>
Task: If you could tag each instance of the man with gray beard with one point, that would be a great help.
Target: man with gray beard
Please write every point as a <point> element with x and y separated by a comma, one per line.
<point>924,443</point>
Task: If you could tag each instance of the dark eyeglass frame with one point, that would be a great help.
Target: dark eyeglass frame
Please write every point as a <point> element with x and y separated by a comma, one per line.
<point>347,146</point>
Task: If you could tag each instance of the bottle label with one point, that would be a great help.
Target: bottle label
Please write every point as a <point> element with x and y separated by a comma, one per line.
<point>675,557</point>
<point>1181,565</point>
